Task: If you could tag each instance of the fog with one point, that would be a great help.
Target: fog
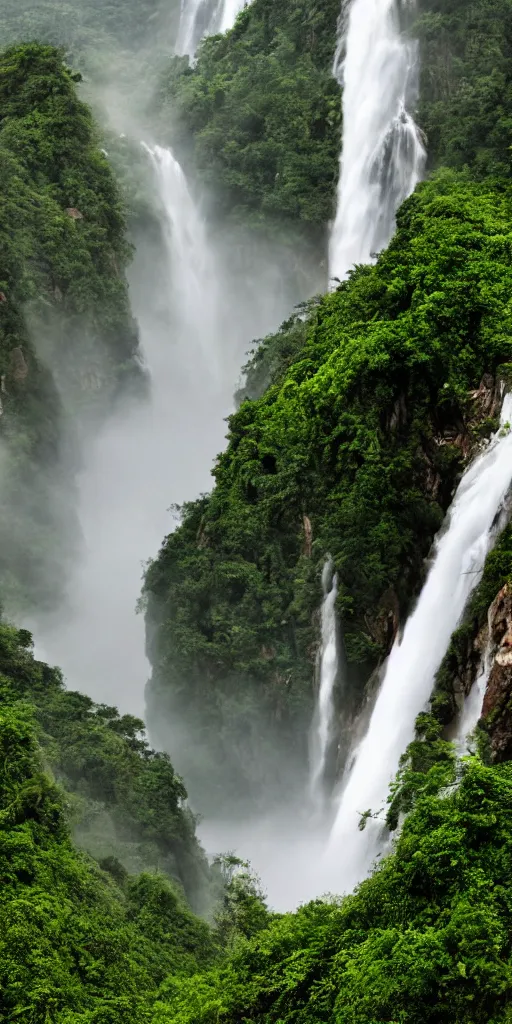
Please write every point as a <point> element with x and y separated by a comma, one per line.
<point>195,328</point>
<point>201,294</point>
<point>285,850</point>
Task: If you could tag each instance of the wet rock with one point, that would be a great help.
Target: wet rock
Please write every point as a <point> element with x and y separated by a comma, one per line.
<point>497,706</point>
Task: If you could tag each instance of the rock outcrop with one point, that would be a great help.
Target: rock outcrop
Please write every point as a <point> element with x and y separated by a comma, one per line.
<point>497,706</point>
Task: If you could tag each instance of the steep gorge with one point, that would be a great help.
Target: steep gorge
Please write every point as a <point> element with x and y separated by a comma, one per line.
<point>355,423</point>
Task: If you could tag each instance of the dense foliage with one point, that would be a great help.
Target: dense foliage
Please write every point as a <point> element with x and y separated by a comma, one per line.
<point>91,31</point>
<point>353,442</point>
<point>427,938</point>
<point>68,343</point>
<point>77,944</point>
<point>352,427</point>
<point>129,801</point>
<point>264,112</point>
<point>466,86</point>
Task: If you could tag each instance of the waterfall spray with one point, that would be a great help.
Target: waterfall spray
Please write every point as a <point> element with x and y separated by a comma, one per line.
<point>459,557</point>
<point>382,157</point>
<point>324,714</point>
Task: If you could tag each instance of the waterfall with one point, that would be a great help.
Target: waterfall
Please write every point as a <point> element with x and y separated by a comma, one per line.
<point>230,11</point>
<point>382,157</point>
<point>323,721</point>
<point>191,273</point>
<point>472,709</point>
<point>458,560</point>
<point>200,18</point>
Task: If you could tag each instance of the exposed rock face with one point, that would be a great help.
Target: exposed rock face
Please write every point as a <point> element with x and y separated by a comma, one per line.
<point>497,706</point>
<point>308,536</point>
<point>487,399</point>
<point>384,625</point>
<point>19,368</point>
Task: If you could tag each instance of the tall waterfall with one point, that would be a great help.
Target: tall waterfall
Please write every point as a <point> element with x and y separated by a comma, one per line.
<point>329,666</point>
<point>456,568</point>
<point>200,18</point>
<point>192,272</point>
<point>382,157</point>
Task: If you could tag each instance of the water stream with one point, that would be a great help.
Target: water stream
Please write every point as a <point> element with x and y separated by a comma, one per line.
<point>200,18</point>
<point>382,157</point>
<point>329,668</point>
<point>456,568</point>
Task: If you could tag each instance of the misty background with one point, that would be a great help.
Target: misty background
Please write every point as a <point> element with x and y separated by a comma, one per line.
<point>201,291</point>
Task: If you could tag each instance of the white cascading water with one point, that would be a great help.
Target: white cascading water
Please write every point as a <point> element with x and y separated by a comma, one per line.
<point>324,714</point>
<point>458,561</point>
<point>192,273</point>
<point>230,11</point>
<point>200,18</point>
<point>382,157</point>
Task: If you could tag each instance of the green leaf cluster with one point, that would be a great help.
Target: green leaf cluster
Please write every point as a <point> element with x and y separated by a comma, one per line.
<point>77,945</point>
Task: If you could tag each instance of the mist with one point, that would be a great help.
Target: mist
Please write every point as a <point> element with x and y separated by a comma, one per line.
<point>153,454</point>
<point>201,293</point>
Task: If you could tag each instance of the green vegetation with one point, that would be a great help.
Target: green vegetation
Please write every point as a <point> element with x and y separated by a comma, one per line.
<point>353,424</point>
<point>92,32</point>
<point>80,942</point>
<point>357,435</point>
<point>128,802</point>
<point>68,343</point>
<point>466,88</point>
<point>426,939</point>
<point>263,110</point>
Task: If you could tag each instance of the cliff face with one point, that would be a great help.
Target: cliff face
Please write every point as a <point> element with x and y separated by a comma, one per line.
<point>497,706</point>
<point>354,449</point>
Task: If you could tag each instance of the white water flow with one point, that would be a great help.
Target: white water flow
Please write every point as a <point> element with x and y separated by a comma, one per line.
<point>458,561</point>
<point>382,156</point>
<point>472,709</point>
<point>200,18</point>
<point>192,272</point>
<point>196,323</point>
<point>324,714</point>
